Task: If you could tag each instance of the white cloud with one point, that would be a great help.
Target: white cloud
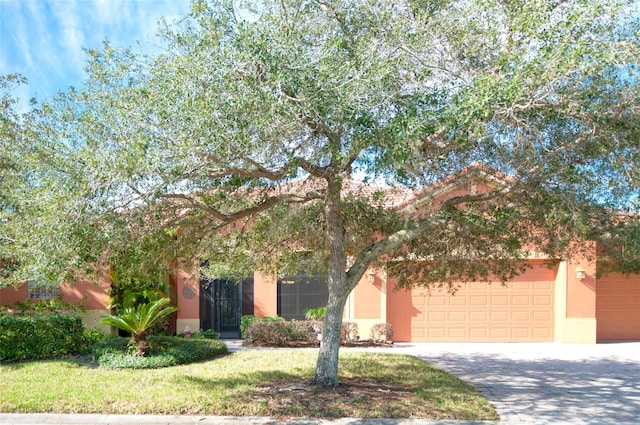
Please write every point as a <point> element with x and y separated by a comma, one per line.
<point>44,39</point>
<point>70,35</point>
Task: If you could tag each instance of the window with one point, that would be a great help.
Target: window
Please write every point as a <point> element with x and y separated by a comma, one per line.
<point>299,293</point>
<point>42,291</point>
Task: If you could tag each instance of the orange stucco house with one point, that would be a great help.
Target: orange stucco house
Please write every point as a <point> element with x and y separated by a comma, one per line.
<point>542,305</point>
<point>566,303</point>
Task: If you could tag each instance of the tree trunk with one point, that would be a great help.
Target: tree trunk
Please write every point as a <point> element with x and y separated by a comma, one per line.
<point>326,373</point>
<point>141,343</point>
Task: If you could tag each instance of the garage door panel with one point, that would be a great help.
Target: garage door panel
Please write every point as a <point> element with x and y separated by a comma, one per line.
<point>521,333</point>
<point>458,301</point>
<point>542,300</point>
<point>478,316</point>
<point>541,316</point>
<point>437,333</point>
<point>458,316</point>
<point>501,333</point>
<point>542,285</point>
<point>479,333</point>
<point>520,286</point>
<point>477,286</point>
<point>458,333</point>
<point>436,300</point>
<point>521,316</point>
<point>479,300</point>
<point>542,333</point>
<point>499,316</point>
<point>520,300</point>
<point>437,316</point>
<point>498,300</point>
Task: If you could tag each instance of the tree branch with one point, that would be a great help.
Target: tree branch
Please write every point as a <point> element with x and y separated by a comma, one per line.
<point>224,219</point>
<point>311,168</point>
<point>260,170</point>
<point>386,245</point>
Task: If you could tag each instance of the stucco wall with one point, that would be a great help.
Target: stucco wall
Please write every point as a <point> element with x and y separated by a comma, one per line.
<point>265,295</point>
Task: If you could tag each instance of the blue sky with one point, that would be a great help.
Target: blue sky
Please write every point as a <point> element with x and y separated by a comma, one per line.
<point>44,39</point>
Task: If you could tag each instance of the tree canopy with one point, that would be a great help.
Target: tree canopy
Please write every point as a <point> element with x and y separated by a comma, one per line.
<point>279,134</point>
<point>11,173</point>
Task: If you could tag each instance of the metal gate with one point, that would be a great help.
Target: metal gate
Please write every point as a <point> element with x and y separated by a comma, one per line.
<point>221,306</point>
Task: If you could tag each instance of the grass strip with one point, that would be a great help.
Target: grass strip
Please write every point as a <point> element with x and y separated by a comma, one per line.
<point>254,382</point>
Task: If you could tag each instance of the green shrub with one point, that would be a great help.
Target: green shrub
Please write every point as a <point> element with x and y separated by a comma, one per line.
<point>272,319</point>
<point>210,334</point>
<point>245,323</point>
<point>381,332</point>
<point>315,313</point>
<point>46,308</point>
<point>32,338</point>
<point>90,337</point>
<point>118,353</point>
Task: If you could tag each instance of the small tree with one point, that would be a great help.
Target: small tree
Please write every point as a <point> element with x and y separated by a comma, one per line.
<point>138,320</point>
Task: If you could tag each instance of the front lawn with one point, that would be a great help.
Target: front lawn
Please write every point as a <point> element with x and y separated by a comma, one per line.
<point>255,382</point>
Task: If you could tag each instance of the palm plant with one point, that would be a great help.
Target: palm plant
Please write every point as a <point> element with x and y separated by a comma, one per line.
<point>139,320</point>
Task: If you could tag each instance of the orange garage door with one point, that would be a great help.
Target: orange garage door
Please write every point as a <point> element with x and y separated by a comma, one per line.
<point>479,312</point>
<point>618,307</point>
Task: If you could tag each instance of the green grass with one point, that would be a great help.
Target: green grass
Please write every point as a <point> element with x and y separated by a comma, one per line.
<point>242,384</point>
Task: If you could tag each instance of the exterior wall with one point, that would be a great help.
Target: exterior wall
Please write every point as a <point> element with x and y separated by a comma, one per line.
<point>265,295</point>
<point>575,323</point>
<point>11,295</point>
<point>94,298</point>
<point>367,303</point>
<point>187,286</point>
<point>91,296</point>
<point>581,292</point>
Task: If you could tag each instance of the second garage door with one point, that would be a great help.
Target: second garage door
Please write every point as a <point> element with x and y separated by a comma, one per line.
<point>479,312</point>
<point>618,307</point>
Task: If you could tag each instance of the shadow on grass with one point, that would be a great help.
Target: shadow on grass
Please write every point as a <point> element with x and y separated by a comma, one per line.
<point>73,361</point>
<point>240,380</point>
<point>373,385</point>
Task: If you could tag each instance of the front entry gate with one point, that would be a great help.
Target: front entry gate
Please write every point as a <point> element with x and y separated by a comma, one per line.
<point>221,306</point>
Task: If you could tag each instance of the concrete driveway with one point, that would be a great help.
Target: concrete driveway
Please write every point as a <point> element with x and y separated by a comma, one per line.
<point>546,383</point>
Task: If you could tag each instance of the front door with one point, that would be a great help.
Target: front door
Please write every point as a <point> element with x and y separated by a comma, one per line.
<point>221,306</point>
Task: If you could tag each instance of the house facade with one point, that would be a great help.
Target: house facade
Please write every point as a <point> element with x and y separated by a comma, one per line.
<point>566,303</point>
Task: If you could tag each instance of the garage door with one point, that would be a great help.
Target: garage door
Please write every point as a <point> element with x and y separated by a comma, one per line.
<point>618,307</point>
<point>478,312</point>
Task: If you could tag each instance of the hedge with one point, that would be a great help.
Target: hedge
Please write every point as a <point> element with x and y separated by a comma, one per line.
<point>280,333</point>
<point>35,338</point>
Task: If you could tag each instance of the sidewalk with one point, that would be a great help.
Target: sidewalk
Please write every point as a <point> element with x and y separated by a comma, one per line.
<point>41,419</point>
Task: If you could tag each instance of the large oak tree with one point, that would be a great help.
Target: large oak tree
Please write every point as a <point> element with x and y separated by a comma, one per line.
<point>239,143</point>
